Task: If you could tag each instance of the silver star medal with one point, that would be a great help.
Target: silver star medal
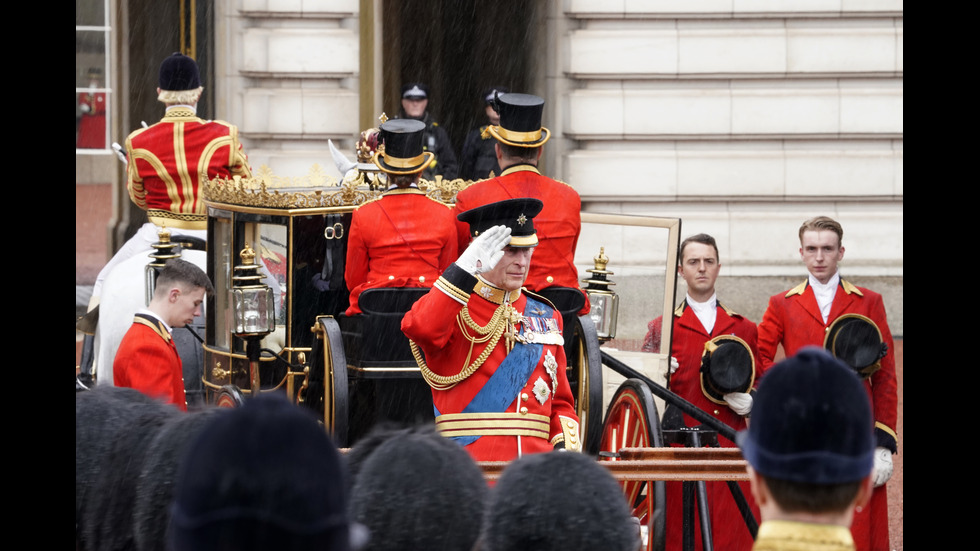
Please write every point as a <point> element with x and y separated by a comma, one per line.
<point>551,365</point>
<point>541,390</point>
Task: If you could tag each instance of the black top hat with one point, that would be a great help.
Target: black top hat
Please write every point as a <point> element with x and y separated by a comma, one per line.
<point>520,120</point>
<point>811,422</point>
<point>415,90</point>
<point>489,94</point>
<point>856,340</point>
<point>727,365</point>
<point>400,147</point>
<point>262,476</point>
<point>516,214</point>
<point>179,72</point>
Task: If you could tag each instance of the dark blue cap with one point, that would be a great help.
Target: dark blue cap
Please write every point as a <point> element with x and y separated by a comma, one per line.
<point>811,422</point>
<point>179,72</point>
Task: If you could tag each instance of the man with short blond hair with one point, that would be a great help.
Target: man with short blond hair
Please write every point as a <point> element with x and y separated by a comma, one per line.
<point>801,316</point>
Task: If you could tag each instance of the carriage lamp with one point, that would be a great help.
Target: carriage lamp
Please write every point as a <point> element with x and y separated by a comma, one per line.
<point>253,310</point>
<point>605,303</point>
<point>165,250</point>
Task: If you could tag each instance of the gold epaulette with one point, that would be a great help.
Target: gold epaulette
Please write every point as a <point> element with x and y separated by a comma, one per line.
<point>850,288</point>
<point>798,290</point>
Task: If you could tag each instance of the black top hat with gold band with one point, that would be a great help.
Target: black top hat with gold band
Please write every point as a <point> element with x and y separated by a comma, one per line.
<point>516,214</point>
<point>400,147</point>
<point>856,340</point>
<point>520,120</point>
<point>727,365</point>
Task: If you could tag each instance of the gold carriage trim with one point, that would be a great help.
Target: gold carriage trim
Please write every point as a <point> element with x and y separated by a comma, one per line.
<point>493,424</point>
<point>165,218</point>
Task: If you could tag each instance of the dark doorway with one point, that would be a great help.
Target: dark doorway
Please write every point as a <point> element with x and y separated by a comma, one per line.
<point>459,49</point>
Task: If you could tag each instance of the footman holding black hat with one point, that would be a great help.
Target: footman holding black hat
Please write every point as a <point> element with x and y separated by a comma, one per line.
<point>713,350</point>
<point>804,315</point>
<point>493,353</point>
<point>810,449</point>
<point>520,143</point>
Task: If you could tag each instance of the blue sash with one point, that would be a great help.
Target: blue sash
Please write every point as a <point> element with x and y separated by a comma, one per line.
<point>511,375</point>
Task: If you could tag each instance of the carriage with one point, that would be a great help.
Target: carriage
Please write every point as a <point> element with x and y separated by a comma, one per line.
<point>357,371</point>
<point>279,245</point>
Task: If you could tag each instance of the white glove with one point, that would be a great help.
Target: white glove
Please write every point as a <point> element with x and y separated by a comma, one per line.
<point>740,402</point>
<point>485,251</point>
<point>672,369</point>
<point>883,466</point>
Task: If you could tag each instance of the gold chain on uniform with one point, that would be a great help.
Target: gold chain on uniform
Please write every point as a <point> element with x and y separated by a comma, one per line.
<point>498,324</point>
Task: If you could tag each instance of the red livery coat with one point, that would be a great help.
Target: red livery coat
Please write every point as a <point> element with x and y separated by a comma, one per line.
<point>91,128</point>
<point>147,360</point>
<point>434,324</point>
<point>558,224</point>
<point>793,320</point>
<point>168,160</point>
<point>727,526</point>
<point>403,239</point>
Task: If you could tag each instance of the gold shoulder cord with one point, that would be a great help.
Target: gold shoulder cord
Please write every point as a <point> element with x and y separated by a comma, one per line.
<point>490,332</point>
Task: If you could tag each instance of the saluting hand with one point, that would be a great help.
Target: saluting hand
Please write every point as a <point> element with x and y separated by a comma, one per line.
<point>485,251</point>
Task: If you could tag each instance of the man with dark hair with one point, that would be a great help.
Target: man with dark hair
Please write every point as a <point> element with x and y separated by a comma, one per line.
<point>520,144</point>
<point>493,354</point>
<point>801,316</point>
<point>147,358</point>
<point>810,451</point>
<point>479,158</point>
<point>558,502</point>
<point>698,320</point>
<point>404,238</point>
<point>168,161</point>
<point>415,105</point>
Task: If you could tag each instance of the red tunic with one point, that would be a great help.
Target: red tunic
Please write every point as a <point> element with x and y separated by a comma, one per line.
<point>558,224</point>
<point>793,320</point>
<point>728,529</point>
<point>168,160</point>
<point>91,129</point>
<point>147,360</point>
<point>403,239</point>
<point>436,326</point>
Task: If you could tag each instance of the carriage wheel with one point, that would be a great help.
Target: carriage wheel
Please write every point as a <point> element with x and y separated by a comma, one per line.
<point>229,396</point>
<point>632,422</point>
<point>585,378</point>
<point>333,366</point>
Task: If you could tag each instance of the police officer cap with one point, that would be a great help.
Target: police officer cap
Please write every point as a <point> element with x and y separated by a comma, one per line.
<point>415,90</point>
<point>520,120</point>
<point>811,422</point>
<point>179,72</point>
<point>262,476</point>
<point>402,152</point>
<point>489,94</point>
<point>856,340</point>
<point>516,214</point>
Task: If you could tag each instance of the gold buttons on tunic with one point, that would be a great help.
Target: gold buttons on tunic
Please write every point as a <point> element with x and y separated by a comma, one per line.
<point>523,411</point>
<point>391,277</point>
<point>570,424</point>
<point>550,279</point>
<point>421,279</point>
<point>524,396</point>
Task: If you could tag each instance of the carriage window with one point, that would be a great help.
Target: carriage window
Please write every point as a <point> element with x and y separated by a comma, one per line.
<point>219,250</point>
<point>92,91</point>
<point>642,254</point>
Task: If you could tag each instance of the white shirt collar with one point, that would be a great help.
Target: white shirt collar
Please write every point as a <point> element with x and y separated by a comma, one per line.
<point>825,293</point>
<point>706,311</point>
<point>153,315</point>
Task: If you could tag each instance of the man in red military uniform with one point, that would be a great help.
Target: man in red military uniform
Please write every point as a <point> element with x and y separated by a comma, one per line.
<point>168,161</point>
<point>92,106</point>
<point>698,319</point>
<point>492,353</point>
<point>403,239</point>
<point>147,358</point>
<point>520,143</point>
<point>801,316</point>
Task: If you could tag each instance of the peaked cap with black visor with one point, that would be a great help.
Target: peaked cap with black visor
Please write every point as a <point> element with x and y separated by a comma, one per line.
<point>516,214</point>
